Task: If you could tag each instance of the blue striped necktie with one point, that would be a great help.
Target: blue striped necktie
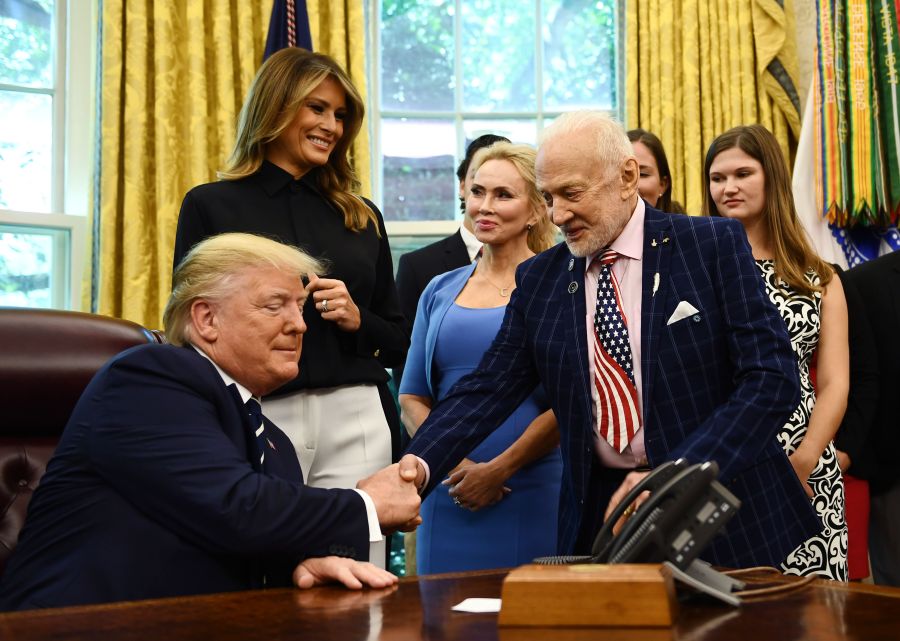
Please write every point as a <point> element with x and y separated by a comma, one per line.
<point>618,414</point>
<point>254,409</point>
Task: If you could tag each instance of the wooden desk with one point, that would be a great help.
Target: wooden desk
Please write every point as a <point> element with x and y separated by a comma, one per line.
<point>420,609</point>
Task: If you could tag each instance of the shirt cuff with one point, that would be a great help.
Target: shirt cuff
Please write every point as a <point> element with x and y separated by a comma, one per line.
<point>371,516</point>
<point>427,473</point>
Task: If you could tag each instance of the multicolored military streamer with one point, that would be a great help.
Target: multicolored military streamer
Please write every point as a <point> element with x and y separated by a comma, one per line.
<point>858,122</point>
<point>887,76</point>
<point>829,112</point>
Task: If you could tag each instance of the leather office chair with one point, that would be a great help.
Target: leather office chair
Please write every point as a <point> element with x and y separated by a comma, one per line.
<point>47,358</point>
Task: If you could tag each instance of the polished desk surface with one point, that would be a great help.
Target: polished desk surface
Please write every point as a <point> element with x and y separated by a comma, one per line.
<point>420,609</point>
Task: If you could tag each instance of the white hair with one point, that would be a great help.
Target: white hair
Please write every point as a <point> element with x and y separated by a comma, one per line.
<point>612,144</point>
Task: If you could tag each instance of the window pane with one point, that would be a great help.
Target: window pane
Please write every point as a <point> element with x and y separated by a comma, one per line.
<point>25,151</point>
<point>33,267</point>
<point>579,54</point>
<point>419,173</point>
<point>417,55</point>
<point>524,131</point>
<point>26,37</point>
<point>498,66</point>
<point>404,244</point>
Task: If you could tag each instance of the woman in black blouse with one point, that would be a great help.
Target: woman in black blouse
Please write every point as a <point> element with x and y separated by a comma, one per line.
<point>289,178</point>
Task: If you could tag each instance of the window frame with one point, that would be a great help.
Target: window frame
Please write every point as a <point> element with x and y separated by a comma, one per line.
<point>458,116</point>
<point>69,240</point>
<point>72,146</point>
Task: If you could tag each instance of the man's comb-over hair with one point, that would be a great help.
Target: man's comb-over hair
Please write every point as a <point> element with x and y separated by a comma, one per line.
<point>208,271</point>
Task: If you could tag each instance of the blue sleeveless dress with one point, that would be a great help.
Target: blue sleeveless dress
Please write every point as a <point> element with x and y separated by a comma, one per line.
<point>522,525</point>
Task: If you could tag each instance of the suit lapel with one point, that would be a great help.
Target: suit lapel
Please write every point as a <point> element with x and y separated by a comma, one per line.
<point>455,252</point>
<point>658,242</point>
<point>572,283</point>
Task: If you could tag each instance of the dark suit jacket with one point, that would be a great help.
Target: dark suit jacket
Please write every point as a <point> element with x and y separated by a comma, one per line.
<point>862,402</point>
<point>153,492</point>
<point>717,385</point>
<point>878,283</point>
<point>416,269</point>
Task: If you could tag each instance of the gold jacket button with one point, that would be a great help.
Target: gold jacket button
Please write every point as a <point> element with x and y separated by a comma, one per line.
<point>377,352</point>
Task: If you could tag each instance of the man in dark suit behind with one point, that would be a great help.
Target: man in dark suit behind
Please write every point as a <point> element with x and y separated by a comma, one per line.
<point>878,284</point>
<point>168,481</point>
<point>713,368</point>
<point>416,268</point>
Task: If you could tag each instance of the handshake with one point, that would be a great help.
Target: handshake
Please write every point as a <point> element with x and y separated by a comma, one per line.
<point>395,493</point>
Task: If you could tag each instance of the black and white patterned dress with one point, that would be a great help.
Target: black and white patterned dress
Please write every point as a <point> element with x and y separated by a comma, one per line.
<point>825,554</point>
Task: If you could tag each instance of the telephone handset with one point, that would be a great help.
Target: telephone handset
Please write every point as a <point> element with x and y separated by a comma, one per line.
<point>678,520</point>
<point>603,544</point>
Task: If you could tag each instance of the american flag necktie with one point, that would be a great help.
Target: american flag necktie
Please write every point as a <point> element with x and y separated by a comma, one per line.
<point>254,409</point>
<point>618,413</point>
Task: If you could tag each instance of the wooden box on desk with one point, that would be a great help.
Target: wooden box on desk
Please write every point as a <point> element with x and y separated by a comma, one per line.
<point>594,595</point>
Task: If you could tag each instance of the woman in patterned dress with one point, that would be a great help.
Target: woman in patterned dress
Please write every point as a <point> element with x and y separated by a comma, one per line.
<point>747,179</point>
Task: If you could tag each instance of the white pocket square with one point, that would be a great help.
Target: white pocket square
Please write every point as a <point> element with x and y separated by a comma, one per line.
<point>681,312</point>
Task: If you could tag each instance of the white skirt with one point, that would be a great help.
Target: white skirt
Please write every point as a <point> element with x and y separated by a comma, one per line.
<point>340,435</point>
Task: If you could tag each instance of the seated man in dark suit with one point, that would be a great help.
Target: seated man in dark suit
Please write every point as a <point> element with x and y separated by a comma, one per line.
<point>416,269</point>
<point>168,480</point>
<point>653,338</point>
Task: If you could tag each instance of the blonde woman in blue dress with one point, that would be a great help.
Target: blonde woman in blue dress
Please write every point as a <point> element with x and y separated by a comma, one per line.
<point>747,179</point>
<point>499,507</point>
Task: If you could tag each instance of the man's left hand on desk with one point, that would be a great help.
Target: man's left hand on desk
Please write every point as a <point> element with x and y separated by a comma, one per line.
<point>336,569</point>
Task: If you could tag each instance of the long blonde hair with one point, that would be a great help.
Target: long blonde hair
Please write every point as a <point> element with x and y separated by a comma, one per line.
<point>276,93</point>
<point>793,254</point>
<point>542,234</point>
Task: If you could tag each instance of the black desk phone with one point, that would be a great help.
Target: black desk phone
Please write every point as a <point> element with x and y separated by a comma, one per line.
<point>687,507</point>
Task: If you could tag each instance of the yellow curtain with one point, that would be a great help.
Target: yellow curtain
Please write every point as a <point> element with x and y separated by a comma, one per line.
<point>174,75</point>
<point>338,29</point>
<point>696,68</point>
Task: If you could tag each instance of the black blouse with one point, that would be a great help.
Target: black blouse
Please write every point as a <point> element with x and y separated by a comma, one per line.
<point>273,204</point>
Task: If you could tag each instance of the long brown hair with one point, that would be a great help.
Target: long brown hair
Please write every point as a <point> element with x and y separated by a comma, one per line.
<point>276,93</point>
<point>793,254</point>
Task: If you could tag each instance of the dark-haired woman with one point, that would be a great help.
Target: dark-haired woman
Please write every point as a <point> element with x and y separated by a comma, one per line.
<point>655,184</point>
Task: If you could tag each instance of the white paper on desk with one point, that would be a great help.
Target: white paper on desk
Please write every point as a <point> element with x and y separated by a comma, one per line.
<point>477,605</point>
